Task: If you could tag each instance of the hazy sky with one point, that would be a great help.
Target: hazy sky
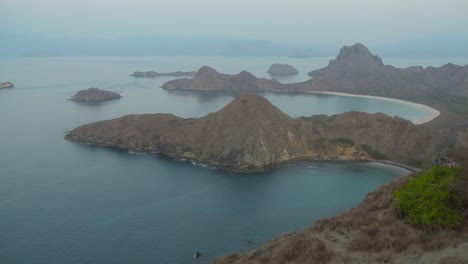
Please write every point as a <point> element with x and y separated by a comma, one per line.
<point>322,21</point>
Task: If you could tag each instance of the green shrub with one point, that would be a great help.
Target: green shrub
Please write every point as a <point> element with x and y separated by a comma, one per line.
<point>344,141</point>
<point>429,200</point>
<point>372,152</point>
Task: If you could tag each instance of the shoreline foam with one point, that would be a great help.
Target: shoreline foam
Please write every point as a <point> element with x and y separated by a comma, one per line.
<point>432,113</point>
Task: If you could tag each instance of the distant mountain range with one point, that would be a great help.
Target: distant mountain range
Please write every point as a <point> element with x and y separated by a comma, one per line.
<point>447,45</point>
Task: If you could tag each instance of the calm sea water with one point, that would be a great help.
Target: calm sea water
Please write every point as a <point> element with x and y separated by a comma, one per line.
<point>67,203</point>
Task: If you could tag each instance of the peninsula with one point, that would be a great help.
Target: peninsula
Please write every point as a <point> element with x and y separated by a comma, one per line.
<point>250,134</point>
<point>94,95</point>
<point>4,85</point>
<point>282,70</point>
<point>153,74</point>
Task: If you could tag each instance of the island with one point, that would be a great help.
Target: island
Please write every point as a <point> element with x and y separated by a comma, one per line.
<point>4,85</point>
<point>250,134</point>
<point>208,79</point>
<point>282,70</point>
<point>153,74</point>
<point>94,95</point>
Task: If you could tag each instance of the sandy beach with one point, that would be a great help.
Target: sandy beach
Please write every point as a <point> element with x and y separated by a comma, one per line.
<point>431,112</point>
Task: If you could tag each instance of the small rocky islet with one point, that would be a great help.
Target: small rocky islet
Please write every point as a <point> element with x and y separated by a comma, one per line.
<point>282,70</point>
<point>4,85</point>
<point>94,95</point>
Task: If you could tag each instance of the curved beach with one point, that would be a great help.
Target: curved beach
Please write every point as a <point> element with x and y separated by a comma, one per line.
<point>432,113</point>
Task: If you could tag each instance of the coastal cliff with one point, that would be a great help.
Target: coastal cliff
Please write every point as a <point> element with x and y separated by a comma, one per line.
<point>250,134</point>
<point>209,79</point>
<point>4,85</point>
<point>94,95</point>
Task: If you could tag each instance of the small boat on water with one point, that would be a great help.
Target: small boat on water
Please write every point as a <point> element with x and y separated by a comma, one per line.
<point>6,85</point>
<point>197,254</point>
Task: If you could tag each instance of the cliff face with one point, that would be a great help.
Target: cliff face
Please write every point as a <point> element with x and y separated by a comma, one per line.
<point>94,95</point>
<point>251,134</point>
<point>209,79</point>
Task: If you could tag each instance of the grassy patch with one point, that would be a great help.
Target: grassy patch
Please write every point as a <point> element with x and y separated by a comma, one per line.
<point>429,200</point>
<point>372,152</point>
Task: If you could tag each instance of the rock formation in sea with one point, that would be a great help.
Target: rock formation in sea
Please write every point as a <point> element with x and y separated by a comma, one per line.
<point>250,134</point>
<point>94,95</point>
<point>209,79</point>
<point>282,70</point>
<point>4,85</point>
<point>153,74</point>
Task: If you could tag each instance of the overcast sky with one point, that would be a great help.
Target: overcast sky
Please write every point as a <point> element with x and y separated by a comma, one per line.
<point>300,21</point>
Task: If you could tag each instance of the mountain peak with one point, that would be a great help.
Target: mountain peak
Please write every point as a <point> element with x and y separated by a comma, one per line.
<point>358,53</point>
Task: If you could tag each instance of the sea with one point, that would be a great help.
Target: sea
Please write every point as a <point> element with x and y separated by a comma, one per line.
<point>62,202</point>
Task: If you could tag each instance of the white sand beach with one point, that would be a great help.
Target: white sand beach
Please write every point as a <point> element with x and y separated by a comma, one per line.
<point>432,113</point>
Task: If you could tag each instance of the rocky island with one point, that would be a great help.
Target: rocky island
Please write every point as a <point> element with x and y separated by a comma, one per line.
<point>208,79</point>
<point>94,95</point>
<point>4,85</point>
<point>282,70</point>
<point>153,74</point>
<point>250,134</point>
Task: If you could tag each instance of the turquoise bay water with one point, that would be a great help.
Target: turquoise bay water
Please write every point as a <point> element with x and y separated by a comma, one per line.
<point>67,203</point>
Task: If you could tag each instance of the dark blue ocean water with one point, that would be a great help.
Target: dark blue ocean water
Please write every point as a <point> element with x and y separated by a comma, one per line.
<point>62,202</point>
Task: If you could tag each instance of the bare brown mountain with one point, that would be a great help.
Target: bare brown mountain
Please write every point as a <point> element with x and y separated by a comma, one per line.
<point>209,79</point>
<point>251,134</point>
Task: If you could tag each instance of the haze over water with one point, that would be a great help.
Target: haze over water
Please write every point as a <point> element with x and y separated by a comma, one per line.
<point>62,202</point>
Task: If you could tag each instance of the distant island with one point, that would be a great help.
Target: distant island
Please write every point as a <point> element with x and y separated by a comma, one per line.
<point>4,85</point>
<point>282,70</point>
<point>250,134</point>
<point>94,95</point>
<point>153,74</point>
<point>208,79</point>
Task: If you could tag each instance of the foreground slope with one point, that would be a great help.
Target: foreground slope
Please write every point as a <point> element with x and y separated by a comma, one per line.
<point>372,232</point>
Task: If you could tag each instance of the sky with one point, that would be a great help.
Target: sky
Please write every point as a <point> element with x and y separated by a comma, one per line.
<point>292,21</point>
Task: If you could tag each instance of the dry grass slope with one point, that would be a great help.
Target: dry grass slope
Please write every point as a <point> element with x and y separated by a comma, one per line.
<point>373,232</point>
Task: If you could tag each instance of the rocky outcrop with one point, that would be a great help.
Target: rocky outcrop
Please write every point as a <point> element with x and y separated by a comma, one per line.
<point>6,85</point>
<point>250,134</point>
<point>153,74</point>
<point>94,95</point>
<point>209,79</point>
<point>282,70</point>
